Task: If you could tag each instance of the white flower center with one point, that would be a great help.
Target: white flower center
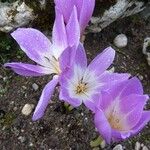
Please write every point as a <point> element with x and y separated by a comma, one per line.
<point>53,64</point>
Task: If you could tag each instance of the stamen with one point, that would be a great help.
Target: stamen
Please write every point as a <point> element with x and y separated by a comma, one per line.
<point>81,88</point>
<point>115,122</point>
<point>55,64</point>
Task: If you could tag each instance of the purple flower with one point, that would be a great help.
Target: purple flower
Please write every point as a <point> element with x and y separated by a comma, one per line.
<point>82,83</point>
<point>84,10</point>
<point>47,55</point>
<point>121,113</point>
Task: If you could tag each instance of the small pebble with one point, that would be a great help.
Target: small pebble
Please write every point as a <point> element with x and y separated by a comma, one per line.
<point>27,109</point>
<point>121,41</point>
<point>21,139</point>
<point>103,144</point>
<point>118,147</point>
<point>144,148</point>
<point>137,146</point>
<point>35,86</point>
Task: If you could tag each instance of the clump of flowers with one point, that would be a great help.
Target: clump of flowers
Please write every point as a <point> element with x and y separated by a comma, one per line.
<point>116,101</point>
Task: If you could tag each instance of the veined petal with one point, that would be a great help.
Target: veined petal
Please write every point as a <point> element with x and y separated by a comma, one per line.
<point>65,97</point>
<point>145,118</point>
<point>86,13</point>
<point>102,125</point>
<point>109,79</point>
<point>34,43</point>
<point>59,35</point>
<point>93,103</point>
<point>129,103</point>
<point>44,99</point>
<point>73,29</point>
<point>67,89</point>
<point>102,61</point>
<point>28,69</point>
<point>65,7</point>
<point>71,56</point>
<point>133,111</point>
<point>126,88</point>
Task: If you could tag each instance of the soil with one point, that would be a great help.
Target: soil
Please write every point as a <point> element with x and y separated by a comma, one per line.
<point>61,129</point>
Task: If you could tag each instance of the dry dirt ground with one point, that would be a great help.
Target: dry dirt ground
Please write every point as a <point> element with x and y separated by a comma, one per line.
<point>60,129</point>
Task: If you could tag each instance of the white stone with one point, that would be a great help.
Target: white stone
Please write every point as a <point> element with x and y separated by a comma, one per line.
<point>21,139</point>
<point>121,40</point>
<point>13,15</point>
<point>118,147</point>
<point>103,144</point>
<point>35,86</point>
<point>137,146</point>
<point>121,9</point>
<point>146,49</point>
<point>27,109</point>
<point>144,148</point>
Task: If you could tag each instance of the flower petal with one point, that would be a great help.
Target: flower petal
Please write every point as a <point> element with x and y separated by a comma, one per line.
<point>71,56</point>
<point>126,88</point>
<point>86,13</point>
<point>129,103</point>
<point>59,36</point>
<point>44,99</point>
<point>28,69</point>
<point>93,103</point>
<point>66,88</point>
<point>65,6</point>
<point>73,29</point>
<point>65,97</point>
<point>145,118</point>
<point>109,79</point>
<point>34,43</point>
<point>102,125</point>
<point>132,107</point>
<point>102,61</point>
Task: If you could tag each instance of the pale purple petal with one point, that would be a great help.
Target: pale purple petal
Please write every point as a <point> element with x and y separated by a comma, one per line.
<point>86,13</point>
<point>66,98</point>
<point>64,91</point>
<point>93,103</point>
<point>45,99</point>
<point>109,79</point>
<point>59,36</point>
<point>73,29</point>
<point>80,57</point>
<point>84,10</point>
<point>66,7</point>
<point>28,69</point>
<point>102,61</point>
<point>145,118</point>
<point>130,102</point>
<point>132,107</point>
<point>71,56</point>
<point>134,86</point>
<point>120,135</point>
<point>102,125</point>
<point>106,100</point>
<point>32,42</point>
<point>128,87</point>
